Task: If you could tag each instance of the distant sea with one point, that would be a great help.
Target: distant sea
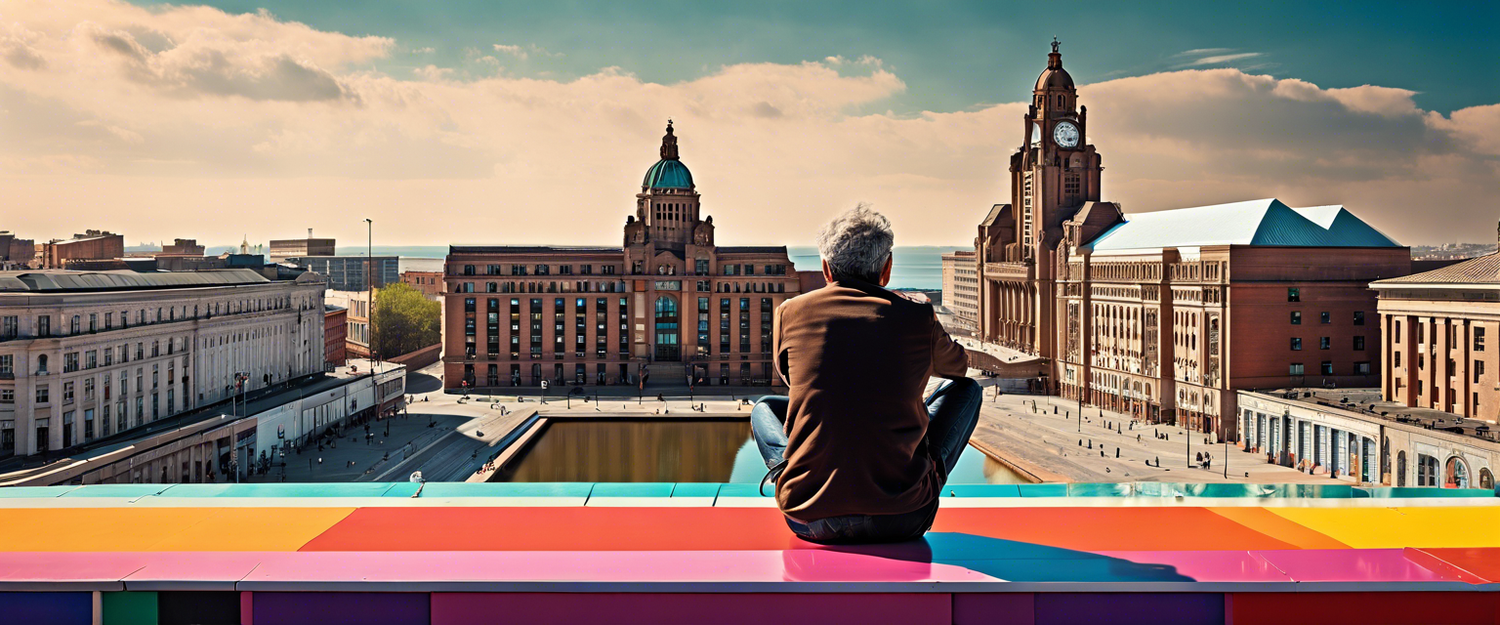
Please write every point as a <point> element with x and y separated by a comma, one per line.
<point>917,267</point>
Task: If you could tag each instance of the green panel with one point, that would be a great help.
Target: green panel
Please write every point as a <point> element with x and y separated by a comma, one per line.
<point>692,489</point>
<point>1413,492</point>
<point>33,491</point>
<point>129,608</point>
<point>983,490</point>
<point>1043,490</point>
<point>281,489</point>
<point>746,490</point>
<point>507,489</point>
<point>401,489</point>
<point>1091,490</point>
<point>129,491</point>
<point>632,489</point>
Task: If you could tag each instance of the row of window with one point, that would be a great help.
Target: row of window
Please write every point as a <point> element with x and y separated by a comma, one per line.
<point>10,325</point>
<point>1326,317</point>
<point>1326,368</point>
<point>538,270</point>
<point>1326,342</point>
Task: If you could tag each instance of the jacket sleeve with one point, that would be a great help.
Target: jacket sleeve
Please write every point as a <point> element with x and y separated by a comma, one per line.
<point>949,360</point>
<point>779,362</point>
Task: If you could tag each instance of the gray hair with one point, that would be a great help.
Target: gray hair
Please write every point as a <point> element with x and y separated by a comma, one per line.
<point>857,243</point>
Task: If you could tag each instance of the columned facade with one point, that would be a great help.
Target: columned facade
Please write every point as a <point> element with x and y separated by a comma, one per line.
<point>670,304</point>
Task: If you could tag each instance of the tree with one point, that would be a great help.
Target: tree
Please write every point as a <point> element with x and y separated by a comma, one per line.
<point>405,321</point>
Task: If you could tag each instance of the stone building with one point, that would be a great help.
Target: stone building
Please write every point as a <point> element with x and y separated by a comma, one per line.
<point>356,305</point>
<point>1163,314</point>
<point>670,303</point>
<point>961,289</point>
<point>91,245</point>
<point>1303,429</point>
<point>85,355</point>
<point>1438,333</point>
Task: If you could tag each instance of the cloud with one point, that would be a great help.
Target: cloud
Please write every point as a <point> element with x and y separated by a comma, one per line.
<point>526,51</point>
<point>169,112</point>
<point>1225,58</point>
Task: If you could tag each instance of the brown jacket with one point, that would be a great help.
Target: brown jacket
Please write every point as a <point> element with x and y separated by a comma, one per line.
<point>857,358</point>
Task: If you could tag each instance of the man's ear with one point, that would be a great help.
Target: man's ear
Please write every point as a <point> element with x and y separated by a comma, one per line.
<point>827,272</point>
<point>885,274</point>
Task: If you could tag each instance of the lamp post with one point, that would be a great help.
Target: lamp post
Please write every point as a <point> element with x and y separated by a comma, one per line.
<point>370,286</point>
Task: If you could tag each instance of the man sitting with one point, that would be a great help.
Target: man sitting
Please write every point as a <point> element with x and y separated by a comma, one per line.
<point>856,454</point>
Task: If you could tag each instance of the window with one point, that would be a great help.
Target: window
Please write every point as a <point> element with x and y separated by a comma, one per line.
<point>1478,370</point>
<point>1296,368</point>
<point>1396,356</point>
<point>7,395</point>
<point>1478,339</point>
<point>10,327</point>
<point>1359,342</point>
<point>1296,317</point>
<point>1359,319</point>
<point>1293,295</point>
<point>1325,342</point>
<point>1327,367</point>
<point>1326,317</point>
<point>67,392</point>
<point>1296,344</point>
<point>7,365</point>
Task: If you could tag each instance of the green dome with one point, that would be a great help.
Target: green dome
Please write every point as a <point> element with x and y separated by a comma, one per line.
<point>668,173</point>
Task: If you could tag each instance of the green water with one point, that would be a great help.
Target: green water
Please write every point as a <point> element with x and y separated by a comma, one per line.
<point>604,450</point>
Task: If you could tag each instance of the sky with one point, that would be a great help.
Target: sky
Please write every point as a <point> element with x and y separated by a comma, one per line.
<point>499,122</point>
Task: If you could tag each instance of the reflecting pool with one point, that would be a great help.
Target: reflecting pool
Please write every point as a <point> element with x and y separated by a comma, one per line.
<point>678,450</point>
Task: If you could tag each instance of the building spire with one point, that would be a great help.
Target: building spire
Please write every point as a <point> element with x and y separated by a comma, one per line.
<point>1054,60</point>
<point>669,144</point>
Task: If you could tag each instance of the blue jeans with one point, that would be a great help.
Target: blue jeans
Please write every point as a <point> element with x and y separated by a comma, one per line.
<point>953,411</point>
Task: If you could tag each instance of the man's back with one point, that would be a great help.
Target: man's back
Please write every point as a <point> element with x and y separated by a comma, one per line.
<point>856,358</point>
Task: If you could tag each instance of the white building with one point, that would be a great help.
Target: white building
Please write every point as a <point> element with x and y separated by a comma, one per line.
<point>85,354</point>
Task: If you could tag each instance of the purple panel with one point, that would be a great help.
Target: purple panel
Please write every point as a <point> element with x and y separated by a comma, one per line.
<point>47,608</point>
<point>354,608</point>
<point>1208,566</point>
<point>1158,608</point>
<point>247,609</point>
<point>666,609</point>
<point>598,566</point>
<point>994,609</point>
<point>1354,565</point>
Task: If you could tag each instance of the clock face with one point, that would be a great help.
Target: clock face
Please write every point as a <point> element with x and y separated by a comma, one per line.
<point>1066,134</point>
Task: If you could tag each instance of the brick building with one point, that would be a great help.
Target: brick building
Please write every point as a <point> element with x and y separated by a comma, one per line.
<point>91,245</point>
<point>335,320</point>
<point>182,247</point>
<point>430,283</point>
<point>282,249</point>
<point>16,252</point>
<point>670,303</point>
<point>1164,314</point>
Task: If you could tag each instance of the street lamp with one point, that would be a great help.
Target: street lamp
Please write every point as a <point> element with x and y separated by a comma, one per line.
<point>370,286</point>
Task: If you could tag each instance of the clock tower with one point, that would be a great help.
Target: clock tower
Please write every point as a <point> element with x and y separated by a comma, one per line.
<point>1053,175</point>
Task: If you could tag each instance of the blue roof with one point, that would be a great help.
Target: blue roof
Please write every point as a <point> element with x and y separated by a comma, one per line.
<point>1266,222</point>
<point>668,174</point>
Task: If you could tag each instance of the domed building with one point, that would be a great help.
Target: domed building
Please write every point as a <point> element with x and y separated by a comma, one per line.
<point>669,305</point>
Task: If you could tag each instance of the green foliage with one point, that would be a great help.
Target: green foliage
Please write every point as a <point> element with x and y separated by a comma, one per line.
<point>405,320</point>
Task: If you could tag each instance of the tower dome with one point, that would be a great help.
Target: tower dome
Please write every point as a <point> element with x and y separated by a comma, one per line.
<point>669,172</point>
<point>1054,78</point>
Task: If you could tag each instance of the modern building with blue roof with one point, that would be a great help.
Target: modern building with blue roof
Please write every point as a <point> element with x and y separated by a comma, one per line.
<point>1165,314</point>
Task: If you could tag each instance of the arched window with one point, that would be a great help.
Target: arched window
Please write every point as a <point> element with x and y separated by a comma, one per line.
<point>1486,479</point>
<point>1456,473</point>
